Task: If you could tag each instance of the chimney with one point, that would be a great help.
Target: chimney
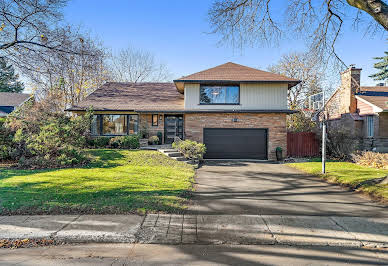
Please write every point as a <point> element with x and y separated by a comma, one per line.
<point>350,83</point>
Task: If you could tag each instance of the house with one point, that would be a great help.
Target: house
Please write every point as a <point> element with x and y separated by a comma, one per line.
<point>10,101</point>
<point>236,111</point>
<point>361,110</point>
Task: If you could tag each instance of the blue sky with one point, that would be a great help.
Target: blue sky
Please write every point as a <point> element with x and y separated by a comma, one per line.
<point>177,32</point>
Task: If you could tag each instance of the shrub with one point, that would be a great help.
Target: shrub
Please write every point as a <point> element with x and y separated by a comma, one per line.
<point>41,138</point>
<point>130,142</point>
<point>115,142</point>
<point>99,142</point>
<point>190,149</point>
<point>371,159</point>
<point>341,142</point>
<point>160,136</point>
<point>153,140</point>
<point>125,142</point>
<point>6,137</point>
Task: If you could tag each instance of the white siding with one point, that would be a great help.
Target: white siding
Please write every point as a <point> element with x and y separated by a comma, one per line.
<point>271,96</point>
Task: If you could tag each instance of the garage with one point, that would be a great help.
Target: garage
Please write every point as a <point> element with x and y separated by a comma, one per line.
<point>235,143</point>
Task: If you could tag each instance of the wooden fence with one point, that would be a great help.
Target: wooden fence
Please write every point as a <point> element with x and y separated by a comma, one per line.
<point>302,144</point>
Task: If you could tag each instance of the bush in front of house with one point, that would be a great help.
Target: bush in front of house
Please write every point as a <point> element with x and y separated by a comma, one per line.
<point>160,136</point>
<point>125,142</point>
<point>371,159</point>
<point>190,149</point>
<point>45,139</point>
<point>99,142</point>
<point>6,137</point>
<point>153,140</point>
<point>341,142</point>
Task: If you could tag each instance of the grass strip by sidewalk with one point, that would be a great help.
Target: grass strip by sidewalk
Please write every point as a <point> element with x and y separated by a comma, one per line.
<point>117,181</point>
<point>360,178</point>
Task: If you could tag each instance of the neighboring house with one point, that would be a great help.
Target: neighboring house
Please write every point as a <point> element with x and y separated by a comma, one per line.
<point>237,111</point>
<point>362,110</point>
<point>9,101</point>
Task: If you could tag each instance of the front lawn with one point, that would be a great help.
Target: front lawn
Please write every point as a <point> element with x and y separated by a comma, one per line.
<point>358,177</point>
<point>117,181</point>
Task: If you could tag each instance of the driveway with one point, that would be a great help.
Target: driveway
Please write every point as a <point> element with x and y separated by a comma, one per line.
<point>239,187</point>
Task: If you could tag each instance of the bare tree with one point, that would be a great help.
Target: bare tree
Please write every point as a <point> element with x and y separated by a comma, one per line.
<point>31,24</point>
<point>309,70</point>
<point>70,77</point>
<point>247,22</point>
<point>304,67</point>
<point>133,65</point>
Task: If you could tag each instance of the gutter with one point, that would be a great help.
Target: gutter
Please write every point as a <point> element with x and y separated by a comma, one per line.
<point>286,111</point>
<point>291,83</point>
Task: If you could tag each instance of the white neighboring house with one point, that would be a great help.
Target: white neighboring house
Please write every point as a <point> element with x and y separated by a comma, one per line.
<point>9,101</point>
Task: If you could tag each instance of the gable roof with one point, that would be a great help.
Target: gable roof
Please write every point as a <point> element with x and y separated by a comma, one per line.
<point>13,99</point>
<point>376,96</point>
<point>235,72</point>
<point>133,97</point>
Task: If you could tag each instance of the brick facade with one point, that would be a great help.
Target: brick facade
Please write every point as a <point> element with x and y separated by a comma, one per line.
<point>146,121</point>
<point>274,122</point>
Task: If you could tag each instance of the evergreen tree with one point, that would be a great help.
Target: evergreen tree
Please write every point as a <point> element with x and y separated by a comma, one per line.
<point>382,66</point>
<point>8,79</point>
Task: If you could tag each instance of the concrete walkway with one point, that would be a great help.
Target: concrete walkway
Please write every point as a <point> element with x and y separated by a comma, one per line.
<point>246,187</point>
<point>201,229</point>
<point>143,254</point>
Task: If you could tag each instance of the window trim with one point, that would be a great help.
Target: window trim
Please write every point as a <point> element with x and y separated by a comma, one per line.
<point>220,85</point>
<point>157,120</point>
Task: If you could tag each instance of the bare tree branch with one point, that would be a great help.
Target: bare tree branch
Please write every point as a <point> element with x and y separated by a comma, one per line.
<point>131,65</point>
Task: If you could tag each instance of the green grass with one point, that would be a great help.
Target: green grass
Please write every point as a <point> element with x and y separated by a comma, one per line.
<point>349,174</point>
<point>117,181</point>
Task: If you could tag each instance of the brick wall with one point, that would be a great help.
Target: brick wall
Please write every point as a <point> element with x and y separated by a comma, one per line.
<point>146,119</point>
<point>274,122</point>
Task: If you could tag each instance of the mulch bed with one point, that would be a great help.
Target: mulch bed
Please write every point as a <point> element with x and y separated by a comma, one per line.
<point>27,243</point>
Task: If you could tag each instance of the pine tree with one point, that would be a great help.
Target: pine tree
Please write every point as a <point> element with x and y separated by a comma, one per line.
<point>8,79</point>
<point>382,66</point>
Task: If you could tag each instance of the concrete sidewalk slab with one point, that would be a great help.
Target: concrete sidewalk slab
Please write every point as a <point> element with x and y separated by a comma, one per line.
<point>369,231</point>
<point>309,230</point>
<point>142,254</point>
<point>101,228</point>
<point>233,229</point>
<point>39,226</point>
<point>201,229</point>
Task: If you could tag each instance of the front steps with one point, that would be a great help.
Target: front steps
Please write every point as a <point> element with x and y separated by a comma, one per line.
<point>174,154</point>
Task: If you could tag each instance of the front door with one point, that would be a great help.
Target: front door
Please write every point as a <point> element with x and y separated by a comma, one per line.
<point>173,127</point>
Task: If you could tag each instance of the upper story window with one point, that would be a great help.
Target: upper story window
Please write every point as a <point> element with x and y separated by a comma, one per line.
<point>219,94</point>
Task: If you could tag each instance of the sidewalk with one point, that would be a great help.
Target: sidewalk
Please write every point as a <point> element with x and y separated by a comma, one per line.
<point>201,229</point>
<point>144,254</point>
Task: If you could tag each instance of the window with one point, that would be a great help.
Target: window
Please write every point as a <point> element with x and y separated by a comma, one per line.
<point>114,125</point>
<point>370,126</point>
<point>155,120</point>
<point>133,124</point>
<point>219,95</point>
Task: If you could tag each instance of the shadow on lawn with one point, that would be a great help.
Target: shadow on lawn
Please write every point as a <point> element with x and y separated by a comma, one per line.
<point>36,200</point>
<point>101,159</point>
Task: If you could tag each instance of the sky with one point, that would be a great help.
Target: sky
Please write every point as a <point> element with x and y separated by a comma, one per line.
<point>178,34</point>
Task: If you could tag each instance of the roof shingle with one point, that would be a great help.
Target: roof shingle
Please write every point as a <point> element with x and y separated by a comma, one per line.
<point>13,99</point>
<point>133,96</point>
<point>235,72</point>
